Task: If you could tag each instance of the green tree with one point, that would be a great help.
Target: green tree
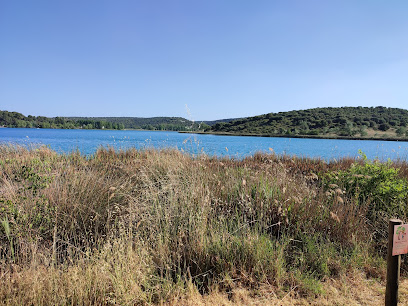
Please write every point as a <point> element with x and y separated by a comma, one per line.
<point>384,126</point>
<point>401,131</point>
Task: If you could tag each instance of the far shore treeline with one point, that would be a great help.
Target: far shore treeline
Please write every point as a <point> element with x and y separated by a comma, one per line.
<point>329,122</point>
<point>18,120</point>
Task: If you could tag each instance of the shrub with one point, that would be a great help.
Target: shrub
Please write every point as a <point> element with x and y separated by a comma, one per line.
<point>376,187</point>
<point>374,182</point>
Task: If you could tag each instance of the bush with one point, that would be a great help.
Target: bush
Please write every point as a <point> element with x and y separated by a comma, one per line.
<point>384,126</point>
<point>373,182</point>
<point>401,131</point>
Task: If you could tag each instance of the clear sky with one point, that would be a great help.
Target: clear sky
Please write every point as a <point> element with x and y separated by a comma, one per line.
<point>221,58</point>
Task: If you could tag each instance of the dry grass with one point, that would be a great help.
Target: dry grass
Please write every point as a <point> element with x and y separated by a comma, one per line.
<point>353,291</point>
<point>148,227</point>
<point>377,133</point>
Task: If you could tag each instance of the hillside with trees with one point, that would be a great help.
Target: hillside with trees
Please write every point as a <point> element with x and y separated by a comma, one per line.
<point>18,120</point>
<point>153,123</point>
<point>330,122</point>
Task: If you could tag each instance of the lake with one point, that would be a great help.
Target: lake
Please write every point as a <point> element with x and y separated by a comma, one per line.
<point>87,142</point>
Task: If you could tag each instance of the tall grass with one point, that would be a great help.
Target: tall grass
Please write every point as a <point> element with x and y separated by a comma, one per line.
<point>147,226</point>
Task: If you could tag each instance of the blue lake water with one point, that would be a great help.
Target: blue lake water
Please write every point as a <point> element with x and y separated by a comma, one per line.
<point>88,141</point>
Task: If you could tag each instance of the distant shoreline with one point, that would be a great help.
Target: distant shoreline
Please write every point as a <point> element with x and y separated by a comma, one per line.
<point>405,139</point>
<point>81,129</point>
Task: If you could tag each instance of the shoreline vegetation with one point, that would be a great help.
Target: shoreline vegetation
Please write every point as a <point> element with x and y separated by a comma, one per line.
<point>298,136</point>
<point>355,123</point>
<point>374,123</point>
<point>18,120</point>
<point>163,227</point>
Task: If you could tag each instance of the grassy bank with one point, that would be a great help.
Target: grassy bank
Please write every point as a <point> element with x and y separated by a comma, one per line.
<point>142,227</point>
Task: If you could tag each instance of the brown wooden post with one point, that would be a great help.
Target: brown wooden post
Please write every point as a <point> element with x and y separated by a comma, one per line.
<point>393,267</point>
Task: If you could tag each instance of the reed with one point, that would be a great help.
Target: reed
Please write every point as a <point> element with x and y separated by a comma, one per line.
<point>149,226</point>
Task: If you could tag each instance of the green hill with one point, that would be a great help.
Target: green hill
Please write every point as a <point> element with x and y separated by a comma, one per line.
<point>18,120</point>
<point>358,122</point>
<point>153,123</point>
<point>329,122</point>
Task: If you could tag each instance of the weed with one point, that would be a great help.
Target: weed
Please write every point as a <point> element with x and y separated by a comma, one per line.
<point>148,226</point>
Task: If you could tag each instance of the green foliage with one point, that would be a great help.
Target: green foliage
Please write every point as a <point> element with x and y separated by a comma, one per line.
<point>374,182</point>
<point>17,120</point>
<point>6,226</point>
<point>33,179</point>
<point>384,126</point>
<point>340,121</point>
<point>154,123</point>
<point>401,131</point>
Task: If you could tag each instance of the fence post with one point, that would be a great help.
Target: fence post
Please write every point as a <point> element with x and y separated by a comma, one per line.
<point>393,267</point>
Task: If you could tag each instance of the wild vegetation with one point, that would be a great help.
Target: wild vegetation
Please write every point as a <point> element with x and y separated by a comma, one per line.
<point>153,123</point>
<point>17,120</point>
<point>147,226</point>
<point>330,122</point>
<point>362,122</point>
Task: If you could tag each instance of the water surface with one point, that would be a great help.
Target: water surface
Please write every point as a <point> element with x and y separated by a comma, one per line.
<point>88,141</point>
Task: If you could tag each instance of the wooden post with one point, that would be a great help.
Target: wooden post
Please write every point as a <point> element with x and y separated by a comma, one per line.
<point>393,267</point>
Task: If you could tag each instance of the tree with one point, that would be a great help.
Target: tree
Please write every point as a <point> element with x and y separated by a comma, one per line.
<point>401,131</point>
<point>384,126</point>
<point>59,120</point>
<point>203,126</point>
<point>362,130</point>
<point>304,127</point>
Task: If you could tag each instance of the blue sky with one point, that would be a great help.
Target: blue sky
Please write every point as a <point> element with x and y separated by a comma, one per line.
<point>222,59</point>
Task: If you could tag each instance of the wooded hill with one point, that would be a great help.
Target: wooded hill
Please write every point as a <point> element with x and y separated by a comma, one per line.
<point>17,120</point>
<point>153,123</point>
<point>330,122</point>
<point>364,122</point>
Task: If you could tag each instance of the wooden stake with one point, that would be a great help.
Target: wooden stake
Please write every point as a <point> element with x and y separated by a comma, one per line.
<point>393,268</point>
